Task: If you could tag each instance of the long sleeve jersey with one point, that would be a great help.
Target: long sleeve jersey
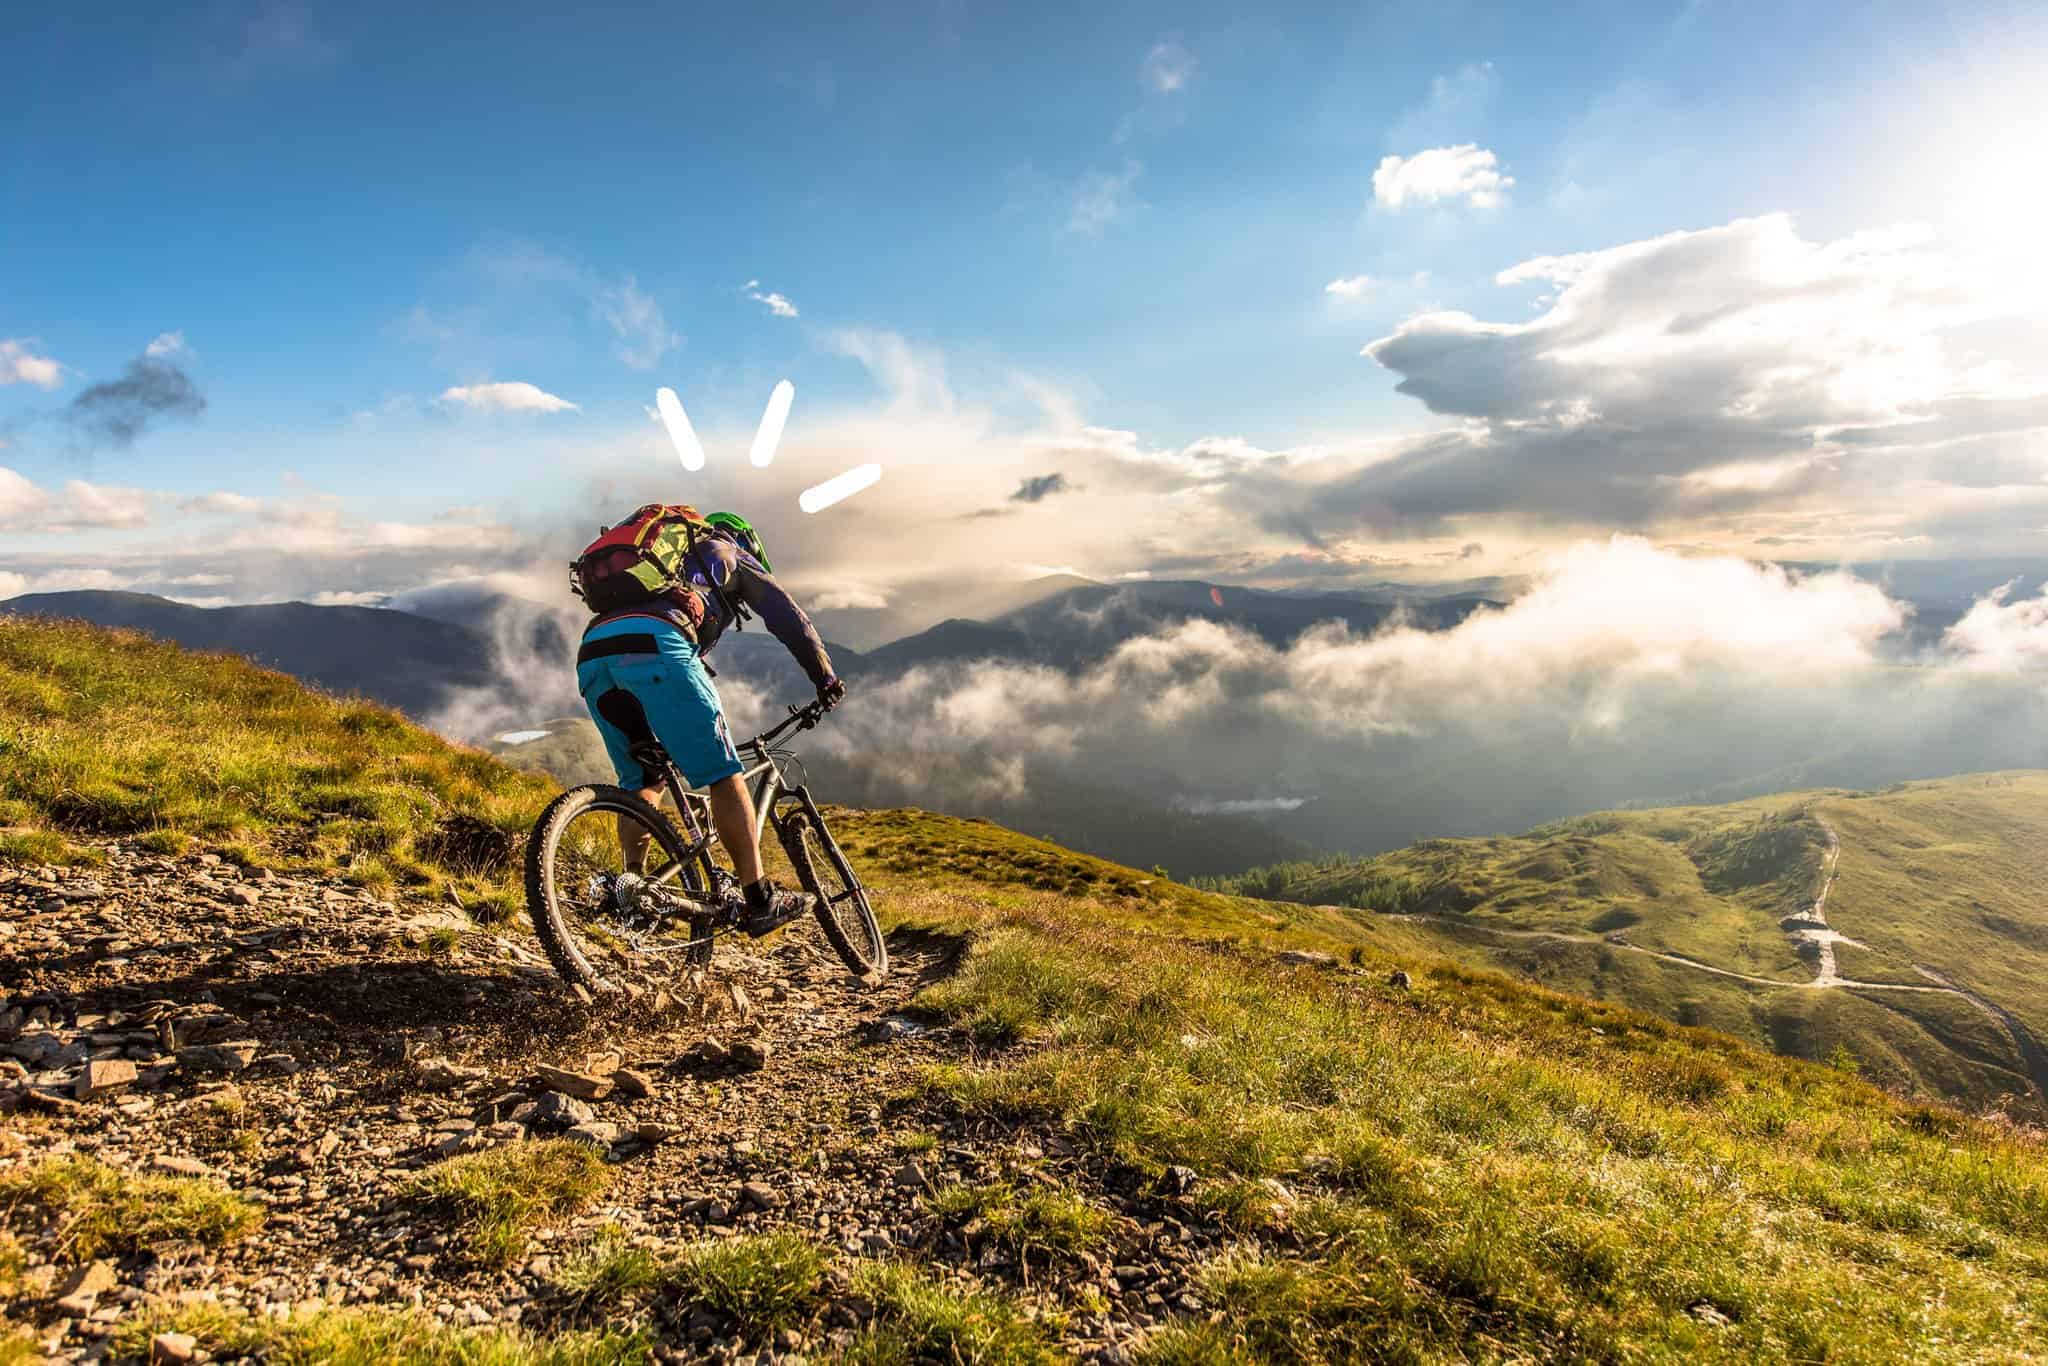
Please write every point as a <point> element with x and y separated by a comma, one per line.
<point>721,571</point>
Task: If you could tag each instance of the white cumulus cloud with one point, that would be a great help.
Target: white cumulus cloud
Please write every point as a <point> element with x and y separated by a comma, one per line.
<point>77,506</point>
<point>507,396</point>
<point>1350,286</point>
<point>19,364</point>
<point>1466,171</point>
<point>777,304</point>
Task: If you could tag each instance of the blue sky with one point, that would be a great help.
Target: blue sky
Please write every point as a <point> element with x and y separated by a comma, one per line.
<point>1085,220</point>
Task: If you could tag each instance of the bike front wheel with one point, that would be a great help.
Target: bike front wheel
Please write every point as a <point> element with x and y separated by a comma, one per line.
<point>607,882</point>
<point>842,906</point>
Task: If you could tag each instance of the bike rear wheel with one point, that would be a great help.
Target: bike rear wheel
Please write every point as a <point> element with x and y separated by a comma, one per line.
<point>842,908</point>
<point>605,927</point>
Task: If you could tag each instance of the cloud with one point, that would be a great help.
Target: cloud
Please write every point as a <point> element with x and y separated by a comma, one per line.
<point>166,345</point>
<point>20,365</point>
<point>1167,68</point>
<point>1101,197</point>
<point>154,387</point>
<point>1626,672</point>
<point>1466,171</point>
<point>777,304</point>
<point>1350,287</point>
<point>222,504</point>
<point>913,376</point>
<point>507,396</point>
<point>638,323</point>
<point>847,597</point>
<point>1700,374</point>
<point>78,506</point>
<point>1037,488</point>
<point>2000,634</point>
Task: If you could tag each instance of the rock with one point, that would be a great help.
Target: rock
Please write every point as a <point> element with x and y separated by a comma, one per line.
<point>218,1057</point>
<point>581,1085</point>
<point>557,1111</point>
<point>47,1051</point>
<point>94,1278</point>
<point>910,1176</point>
<point>104,1078</point>
<point>1398,980</point>
<point>173,1349</point>
<point>636,1085</point>
<point>760,1195</point>
<point>712,1053</point>
<point>597,1133</point>
<point>653,1135</point>
<point>890,1028</point>
<point>441,1075</point>
<point>243,896</point>
<point>752,1054</point>
<point>77,1306</point>
<point>1176,1181</point>
<point>1307,958</point>
<point>180,1166</point>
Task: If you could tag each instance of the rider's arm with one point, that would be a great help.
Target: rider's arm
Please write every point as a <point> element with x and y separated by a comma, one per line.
<point>744,578</point>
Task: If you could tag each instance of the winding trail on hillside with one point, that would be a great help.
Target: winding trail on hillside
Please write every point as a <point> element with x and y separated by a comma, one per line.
<point>1809,926</point>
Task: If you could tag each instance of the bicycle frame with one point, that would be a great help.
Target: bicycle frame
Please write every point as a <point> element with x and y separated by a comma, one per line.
<point>765,782</point>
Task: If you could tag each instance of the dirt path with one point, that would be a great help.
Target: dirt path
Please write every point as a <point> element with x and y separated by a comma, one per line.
<point>313,1047</point>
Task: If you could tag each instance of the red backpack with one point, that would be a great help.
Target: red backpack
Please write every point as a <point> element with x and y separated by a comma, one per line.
<point>640,559</point>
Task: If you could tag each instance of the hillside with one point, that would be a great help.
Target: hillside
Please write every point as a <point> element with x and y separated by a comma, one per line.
<point>1926,960</point>
<point>397,658</point>
<point>1093,1114</point>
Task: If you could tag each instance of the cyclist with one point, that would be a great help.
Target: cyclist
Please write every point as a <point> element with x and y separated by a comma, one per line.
<point>665,585</point>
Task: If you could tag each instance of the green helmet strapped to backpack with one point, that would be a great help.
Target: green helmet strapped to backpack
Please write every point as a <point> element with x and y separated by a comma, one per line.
<point>743,532</point>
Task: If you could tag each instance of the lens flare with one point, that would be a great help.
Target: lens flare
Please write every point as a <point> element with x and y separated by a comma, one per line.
<point>768,435</point>
<point>818,497</point>
<point>688,448</point>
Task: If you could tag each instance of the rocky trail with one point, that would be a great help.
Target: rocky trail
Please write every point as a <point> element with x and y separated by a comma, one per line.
<point>313,1047</point>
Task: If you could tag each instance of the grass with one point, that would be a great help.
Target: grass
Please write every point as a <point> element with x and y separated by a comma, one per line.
<point>94,1210</point>
<point>501,1195</point>
<point>608,1270</point>
<point>1942,873</point>
<point>372,1337</point>
<point>1478,1168</point>
<point>113,734</point>
<point>1044,1220</point>
<point>763,1283</point>
<point>920,1319</point>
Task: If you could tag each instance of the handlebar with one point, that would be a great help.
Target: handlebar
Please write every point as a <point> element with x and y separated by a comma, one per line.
<point>801,718</point>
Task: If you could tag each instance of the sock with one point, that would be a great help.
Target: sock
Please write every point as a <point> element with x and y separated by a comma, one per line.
<point>757,895</point>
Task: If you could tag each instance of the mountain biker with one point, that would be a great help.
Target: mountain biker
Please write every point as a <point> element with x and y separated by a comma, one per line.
<point>640,671</point>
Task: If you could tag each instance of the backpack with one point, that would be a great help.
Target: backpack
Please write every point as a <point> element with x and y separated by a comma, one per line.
<point>640,559</point>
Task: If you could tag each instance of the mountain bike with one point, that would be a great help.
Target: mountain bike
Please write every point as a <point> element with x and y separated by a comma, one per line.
<point>620,894</point>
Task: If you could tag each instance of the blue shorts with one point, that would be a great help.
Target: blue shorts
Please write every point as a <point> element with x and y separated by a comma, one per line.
<point>676,695</point>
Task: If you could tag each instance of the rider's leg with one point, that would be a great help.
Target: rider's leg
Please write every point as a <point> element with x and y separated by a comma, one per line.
<point>633,836</point>
<point>732,812</point>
